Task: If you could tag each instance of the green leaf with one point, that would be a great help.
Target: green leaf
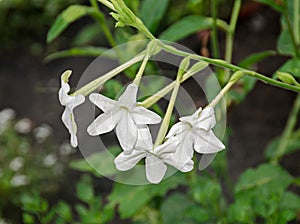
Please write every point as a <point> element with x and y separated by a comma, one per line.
<point>290,201</point>
<point>241,211</point>
<point>84,189</point>
<point>267,175</point>
<point>285,43</point>
<point>152,12</point>
<point>185,27</point>
<point>255,58</point>
<point>292,146</point>
<point>87,35</point>
<point>292,66</point>
<point>273,4</point>
<point>101,161</point>
<point>82,51</point>
<point>64,211</point>
<point>69,15</point>
<point>28,219</point>
<point>174,208</point>
<point>130,199</point>
<point>112,88</point>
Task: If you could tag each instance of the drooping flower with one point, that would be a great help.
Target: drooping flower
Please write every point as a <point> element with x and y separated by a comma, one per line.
<point>70,102</point>
<point>195,133</point>
<point>156,158</point>
<point>123,114</point>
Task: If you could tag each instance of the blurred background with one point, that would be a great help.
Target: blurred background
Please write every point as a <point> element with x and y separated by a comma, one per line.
<point>34,146</point>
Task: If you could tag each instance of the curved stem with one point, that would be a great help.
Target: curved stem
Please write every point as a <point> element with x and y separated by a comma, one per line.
<point>234,68</point>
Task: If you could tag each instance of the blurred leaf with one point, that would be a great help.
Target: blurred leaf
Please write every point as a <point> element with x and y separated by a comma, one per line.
<point>84,189</point>
<point>173,209</point>
<point>273,4</point>
<point>69,15</point>
<point>112,88</point>
<point>292,66</point>
<point>87,35</point>
<point>185,27</point>
<point>286,216</point>
<point>241,211</point>
<point>82,51</point>
<point>132,198</point>
<point>102,161</point>
<point>64,211</point>
<point>152,12</point>
<point>285,44</point>
<point>290,201</point>
<point>28,219</point>
<point>271,176</point>
<point>199,214</point>
<point>255,58</point>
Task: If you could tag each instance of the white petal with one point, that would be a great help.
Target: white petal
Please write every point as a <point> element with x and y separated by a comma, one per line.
<point>183,166</point>
<point>63,96</point>
<point>176,129</point>
<point>144,140</point>
<point>125,162</point>
<point>104,123</point>
<point>142,115</point>
<point>205,160</point>
<point>207,142</point>
<point>104,103</point>
<point>128,98</point>
<point>207,119</point>
<point>188,119</point>
<point>155,169</point>
<point>127,132</point>
<point>68,120</point>
<point>168,147</point>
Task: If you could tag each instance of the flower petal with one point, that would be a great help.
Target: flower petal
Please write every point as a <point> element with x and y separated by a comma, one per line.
<point>128,98</point>
<point>142,115</point>
<point>168,147</point>
<point>155,169</point>
<point>125,162</point>
<point>104,103</point>
<point>69,121</point>
<point>176,129</point>
<point>104,123</point>
<point>207,119</point>
<point>207,142</point>
<point>127,132</point>
<point>144,140</point>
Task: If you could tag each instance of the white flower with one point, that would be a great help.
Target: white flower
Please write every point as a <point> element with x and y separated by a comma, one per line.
<point>156,158</point>
<point>123,114</point>
<point>195,133</point>
<point>50,160</point>
<point>70,102</point>
<point>19,180</point>
<point>16,163</point>
<point>42,132</point>
<point>23,126</point>
<point>6,115</point>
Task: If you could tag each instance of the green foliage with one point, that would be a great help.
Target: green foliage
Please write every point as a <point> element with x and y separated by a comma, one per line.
<point>69,15</point>
<point>152,12</point>
<point>185,27</point>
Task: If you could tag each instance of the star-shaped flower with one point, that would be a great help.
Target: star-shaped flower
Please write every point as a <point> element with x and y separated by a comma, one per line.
<point>123,114</point>
<point>156,158</point>
<point>70,102</point>
<point>195,133</point>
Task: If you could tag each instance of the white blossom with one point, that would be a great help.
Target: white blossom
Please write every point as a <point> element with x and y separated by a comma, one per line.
<point>16,163</point>
<point>19,180</point>
<point>6,115</point>
<point>124,115</point>
<point>42,132</point>
<point>23,126</point>
<point>50,160</point>
<point>70,102</point>
<point>156,158</point>
<point>195,133</point>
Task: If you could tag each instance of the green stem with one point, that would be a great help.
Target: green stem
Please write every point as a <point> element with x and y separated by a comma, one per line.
<point>166,121</point>
<point>214,36</point>
<point>296,22</point>
<point>235,77</point>
<point>107,4</point>
<point>140,73</point>
<point>95,84</point>
<point>234,68</point>
<point>288,130</point>
<point>161,93</point>
<point>99,17</point>
<point>286,16</point>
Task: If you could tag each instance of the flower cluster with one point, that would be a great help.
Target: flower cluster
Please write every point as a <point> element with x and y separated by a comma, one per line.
<point>131,123</point>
